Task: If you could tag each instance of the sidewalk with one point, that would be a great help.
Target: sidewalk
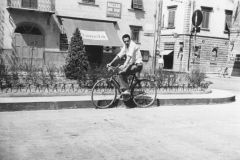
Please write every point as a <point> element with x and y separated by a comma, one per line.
<point>215,75</point>
<point>19,103</point>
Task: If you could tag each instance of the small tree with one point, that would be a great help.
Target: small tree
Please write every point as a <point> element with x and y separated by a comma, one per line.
<point>77,63</point>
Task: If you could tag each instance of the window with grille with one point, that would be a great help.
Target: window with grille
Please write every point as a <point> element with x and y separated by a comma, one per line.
<point>145,55</point>
<point>30,4</point>
<point>28,29</point>
<point>137,4</point>
<point>135,33</point>
<point>228,20</point>
<point>206,17</point>
<point>88,1</point>
<point>171,16</point>
<point>63,42</point>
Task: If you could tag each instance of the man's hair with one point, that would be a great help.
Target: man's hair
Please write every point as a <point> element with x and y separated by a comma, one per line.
<point>126,36</point>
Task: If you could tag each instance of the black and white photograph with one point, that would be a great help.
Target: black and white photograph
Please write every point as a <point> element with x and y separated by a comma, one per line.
<point>119,79</point>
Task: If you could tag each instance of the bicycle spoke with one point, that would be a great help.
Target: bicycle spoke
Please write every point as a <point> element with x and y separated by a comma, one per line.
<point>144,93</point>
<point>103,93</point>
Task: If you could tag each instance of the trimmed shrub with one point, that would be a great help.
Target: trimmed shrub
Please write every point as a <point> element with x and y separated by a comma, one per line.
<point>196,76</point>
<point>77,63</point>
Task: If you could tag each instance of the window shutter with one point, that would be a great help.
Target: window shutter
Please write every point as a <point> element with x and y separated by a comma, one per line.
<point>140,4</point>
<point>203,21</point>
<point>137,4</point>
<point>134,3</point>
<point>229,18</point>
<point>228,21</point>
<point>207,19</point>
<point>206,16</point>
<point>171,18</point>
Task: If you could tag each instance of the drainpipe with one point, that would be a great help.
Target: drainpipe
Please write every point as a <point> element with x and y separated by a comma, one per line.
<point>159,28</point>
<point>154,44</point>
<point>193,3</point>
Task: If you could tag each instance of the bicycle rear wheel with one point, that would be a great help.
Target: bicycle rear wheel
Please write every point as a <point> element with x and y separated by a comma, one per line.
<point>144,93</point>
<point>104,93</point>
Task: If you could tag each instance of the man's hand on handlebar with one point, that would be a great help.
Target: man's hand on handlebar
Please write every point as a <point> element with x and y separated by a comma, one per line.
<point>109,65</point>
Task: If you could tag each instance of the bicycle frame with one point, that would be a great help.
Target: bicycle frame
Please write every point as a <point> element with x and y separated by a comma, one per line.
<point>134,77</point>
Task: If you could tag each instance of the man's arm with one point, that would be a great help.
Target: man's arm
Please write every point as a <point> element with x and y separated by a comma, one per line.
<point>116,58</point>
<point>126,62</point>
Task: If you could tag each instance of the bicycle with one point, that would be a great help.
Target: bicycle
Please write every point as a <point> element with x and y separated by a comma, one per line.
<point>222,72</point>
<point>104,92</point>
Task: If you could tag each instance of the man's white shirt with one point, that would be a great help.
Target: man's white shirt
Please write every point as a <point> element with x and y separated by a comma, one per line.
<point>132,51</point>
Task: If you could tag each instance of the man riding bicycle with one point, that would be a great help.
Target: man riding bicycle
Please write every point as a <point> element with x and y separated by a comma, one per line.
<point>132,65</point>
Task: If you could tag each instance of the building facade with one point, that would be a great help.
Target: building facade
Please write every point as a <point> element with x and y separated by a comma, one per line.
<point>182,49</point>
<point>234,47</point>
<point>37,32</point>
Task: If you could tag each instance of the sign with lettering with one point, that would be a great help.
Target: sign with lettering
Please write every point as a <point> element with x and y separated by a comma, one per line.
<point>169,46</point>
<point>114,9</point>
<point>94,35</point>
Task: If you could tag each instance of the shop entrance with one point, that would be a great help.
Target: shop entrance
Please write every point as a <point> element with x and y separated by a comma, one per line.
<point>168,61</point>
<point>95,54</point>
<point>168,55</point>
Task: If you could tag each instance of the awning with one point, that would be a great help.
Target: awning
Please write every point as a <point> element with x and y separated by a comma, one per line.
<point>93,32</point>
<point>166,52</point>
<point>236,48</point>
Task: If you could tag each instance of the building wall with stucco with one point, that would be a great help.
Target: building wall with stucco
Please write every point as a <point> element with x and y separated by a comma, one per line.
<point>215,36</point>
<point>234,45</point>
<point>51,28</point>
<point>144,18</point>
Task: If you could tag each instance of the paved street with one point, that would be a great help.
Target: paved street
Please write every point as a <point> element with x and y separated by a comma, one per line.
<point>165,132</point>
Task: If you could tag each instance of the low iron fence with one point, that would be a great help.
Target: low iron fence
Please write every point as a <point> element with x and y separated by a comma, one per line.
<point>56,82</point>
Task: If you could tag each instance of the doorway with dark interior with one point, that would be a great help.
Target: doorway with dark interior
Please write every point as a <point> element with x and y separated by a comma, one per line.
<point>95,54</point>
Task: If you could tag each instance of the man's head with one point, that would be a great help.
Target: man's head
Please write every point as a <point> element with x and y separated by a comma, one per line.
<point>126,39</point>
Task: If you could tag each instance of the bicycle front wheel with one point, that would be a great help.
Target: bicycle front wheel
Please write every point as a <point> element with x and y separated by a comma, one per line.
<point>104,93</point>
<point>144,93</point>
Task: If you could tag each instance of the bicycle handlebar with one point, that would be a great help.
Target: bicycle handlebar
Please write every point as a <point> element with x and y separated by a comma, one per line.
<point>113,70</point>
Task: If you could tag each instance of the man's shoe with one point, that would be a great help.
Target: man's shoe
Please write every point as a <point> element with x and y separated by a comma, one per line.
<point>126,92</point>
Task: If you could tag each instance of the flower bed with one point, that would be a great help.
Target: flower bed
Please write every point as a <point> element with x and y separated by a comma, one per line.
<point>53,80</point>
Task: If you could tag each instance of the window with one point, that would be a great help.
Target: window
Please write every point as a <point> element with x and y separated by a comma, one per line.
<point>171,16</point>
<point>145,55</point>
<point>135,30</point>
<point>214,53</point>
<point>88,1</point>
<point>228,20</point>
<point>137,4</point>
<point>30,4</point>
<point>206,16</point>
<point>63,42</point>
<point>28,29</point>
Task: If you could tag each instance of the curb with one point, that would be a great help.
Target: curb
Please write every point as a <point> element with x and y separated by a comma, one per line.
<point>77,102</point>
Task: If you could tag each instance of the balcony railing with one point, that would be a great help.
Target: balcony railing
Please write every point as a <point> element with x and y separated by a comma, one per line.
<point>38,5</point>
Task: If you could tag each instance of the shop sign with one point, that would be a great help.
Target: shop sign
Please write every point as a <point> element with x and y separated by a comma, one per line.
<point>114,9</point>
<point>94,35</point>
<point>169,46</point>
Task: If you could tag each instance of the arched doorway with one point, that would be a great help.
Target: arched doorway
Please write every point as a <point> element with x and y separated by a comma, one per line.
<point>29,45</point>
